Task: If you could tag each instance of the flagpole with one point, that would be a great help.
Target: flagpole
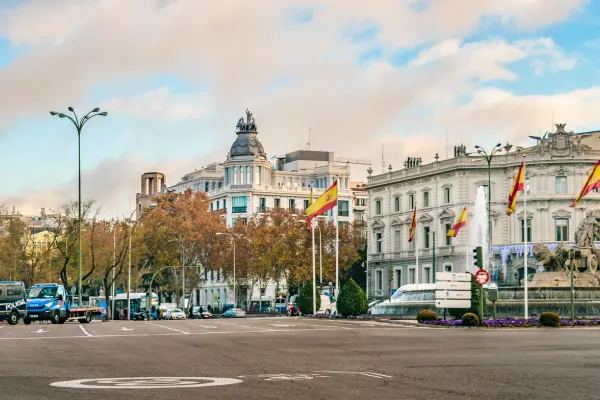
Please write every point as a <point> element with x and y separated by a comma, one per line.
<point>467,244</point>
<point>314,277</point>
<point>525,252</point>
<point>416,233</point>
<point>337,243</point>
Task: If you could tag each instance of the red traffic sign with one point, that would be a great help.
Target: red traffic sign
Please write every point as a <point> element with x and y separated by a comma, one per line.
<point>482,277</point>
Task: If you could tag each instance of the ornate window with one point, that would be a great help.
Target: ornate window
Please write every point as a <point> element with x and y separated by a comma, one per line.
<point>562,229</point>
<point>447,193</point>
<point>560,184</point>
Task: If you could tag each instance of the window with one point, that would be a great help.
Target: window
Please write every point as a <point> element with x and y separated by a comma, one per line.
<point>448,239</point>
<point>359,216</point>
<point>486,190</point>
<point>560,184</point>
<point>220,184</point>
<point>378,207</point>
<point>397,240</point>
<point>426,231</point>
<point>343,208</point>
<point>411,202</point>
<point>244,221</point>
<point>426,199</point>
<point>306,204</point>
<point>447,195</point>
<point>211,206</point>
<point>277,203</point>
<point>528,230</point>
<point>213,185</point>
<point>379,242</point>
<point>262,204</point>
<point>427,273</point>
<point>239,204</point>
<point>562,229</point>
<point>292,205</point>
<point>398,278</point>
<point>412,275</point>
<point>396,203</point>
<point>206,186</point>
<point>226,176</point>
<point>447,268</point>
<point>225,205</point>
<point>379,280</point>
<point>363,202</point>
<point>218,205</point>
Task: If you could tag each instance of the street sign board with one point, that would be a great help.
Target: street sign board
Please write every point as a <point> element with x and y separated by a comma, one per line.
<point>453,294</point>
<point>482,277</point>
<point>452,276</point>
<point>453,285</point>
<point>453,303</point>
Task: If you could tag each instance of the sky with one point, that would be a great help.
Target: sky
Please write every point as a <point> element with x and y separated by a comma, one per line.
<point>398,77</point>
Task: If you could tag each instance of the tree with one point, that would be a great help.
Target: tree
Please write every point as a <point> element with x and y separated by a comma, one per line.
<point>305,299</point>
<point>352,300</point>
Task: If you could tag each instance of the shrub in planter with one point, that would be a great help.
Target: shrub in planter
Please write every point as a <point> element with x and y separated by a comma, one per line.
<point>305,300</point>
<point>550,319</point>
<point>470,319</point>
<point>352,300</point>
<point>426,315</point>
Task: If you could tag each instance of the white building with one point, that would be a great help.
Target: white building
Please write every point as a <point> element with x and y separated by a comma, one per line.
<point>556,168</point>
<point>249,183</point>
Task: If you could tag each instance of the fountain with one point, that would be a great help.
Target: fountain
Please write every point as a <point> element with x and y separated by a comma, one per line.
<point>549,286</point>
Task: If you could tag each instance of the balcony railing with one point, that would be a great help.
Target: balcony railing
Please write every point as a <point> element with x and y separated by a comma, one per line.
<point>239,210</point>
<point>343,213</point>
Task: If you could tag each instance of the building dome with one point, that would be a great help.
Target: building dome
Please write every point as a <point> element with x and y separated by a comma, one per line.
<point>246,143</point>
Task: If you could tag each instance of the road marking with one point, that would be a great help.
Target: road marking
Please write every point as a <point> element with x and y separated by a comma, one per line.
<point>84,331</point>
<point>369,374</point>
<point>167,327</point>
<point>241,326</point>
<point>287,377</point>
<point>126,329</point>
<point>146,383</point>
<point>41,330</point>
<point>179,333</point>
<point>208,326</point>
<point>283,325</point>
<point>1,327</point>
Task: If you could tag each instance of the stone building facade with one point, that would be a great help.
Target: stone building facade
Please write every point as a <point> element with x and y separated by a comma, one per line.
<point>556,168</point>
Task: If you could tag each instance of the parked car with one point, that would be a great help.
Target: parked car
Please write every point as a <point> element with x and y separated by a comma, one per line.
<point>176,313</point>
<point>372,305</point>
<point>12,302</point>
<point>201,312</point>
<point>234,313</point>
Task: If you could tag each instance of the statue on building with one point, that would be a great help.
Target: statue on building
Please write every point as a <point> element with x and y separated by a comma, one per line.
<point>248,125</point>
<point>460,150</point>
<point>552,261</point>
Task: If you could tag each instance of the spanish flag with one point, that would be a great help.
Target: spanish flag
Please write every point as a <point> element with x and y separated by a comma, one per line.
<point>517,186</point>
<point>324,203</point>
<point>413,226</point>
<point>592,182</point>
<point>462,221</point>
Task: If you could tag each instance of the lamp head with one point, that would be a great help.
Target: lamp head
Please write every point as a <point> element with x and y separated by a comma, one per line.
<point>71,109</point>
<point>96,109</point>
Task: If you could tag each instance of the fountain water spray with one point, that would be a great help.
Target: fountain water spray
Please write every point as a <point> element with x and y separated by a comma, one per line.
<point>478,228</point>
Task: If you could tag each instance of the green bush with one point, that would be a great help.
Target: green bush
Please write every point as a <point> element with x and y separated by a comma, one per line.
<point>352,300</point>
<point>475,291</point>
<point>427,315</point>
<point>305,300</point>
<point>550,319</point>
<point>470,319</point>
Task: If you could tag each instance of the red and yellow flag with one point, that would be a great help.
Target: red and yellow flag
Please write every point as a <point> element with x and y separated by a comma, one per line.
<point>517,187</point>
<point>413,226</point>
<point>592,182</point>
<point>462,221</point>
<point>324,203</point>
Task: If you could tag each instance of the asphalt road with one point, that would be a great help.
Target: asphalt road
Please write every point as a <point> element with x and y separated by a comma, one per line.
<point>294,358</point>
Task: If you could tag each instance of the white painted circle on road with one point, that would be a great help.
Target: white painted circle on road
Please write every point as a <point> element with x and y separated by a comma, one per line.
<point>146,383</point>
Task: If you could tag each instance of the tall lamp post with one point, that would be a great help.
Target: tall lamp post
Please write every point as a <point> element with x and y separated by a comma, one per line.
<point>79,124</point>
<point>234,282</point>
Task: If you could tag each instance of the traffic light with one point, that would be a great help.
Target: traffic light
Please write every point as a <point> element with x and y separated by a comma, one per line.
<point>218,299</point>
<point>478,257</point>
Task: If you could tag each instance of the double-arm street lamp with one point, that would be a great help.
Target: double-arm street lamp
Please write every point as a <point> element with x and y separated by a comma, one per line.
<point>488,158</point>
<point>79,124</point>
<point>234,282</point>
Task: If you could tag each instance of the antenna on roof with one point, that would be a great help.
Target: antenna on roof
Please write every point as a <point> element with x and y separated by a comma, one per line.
<point>382,160</point>
<point>309,132</point>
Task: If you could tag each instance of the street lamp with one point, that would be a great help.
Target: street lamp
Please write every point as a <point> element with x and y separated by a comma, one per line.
<point>234,282</point>
<point>488,158</point>
<point>79,123</point>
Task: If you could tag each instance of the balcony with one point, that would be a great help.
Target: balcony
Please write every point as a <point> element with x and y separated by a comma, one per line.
<point>239,210</point>
<point>343,213</point>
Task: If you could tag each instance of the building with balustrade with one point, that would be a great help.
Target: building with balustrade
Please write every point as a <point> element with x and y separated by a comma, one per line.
<point>248,183</point>
<point>556,169</point>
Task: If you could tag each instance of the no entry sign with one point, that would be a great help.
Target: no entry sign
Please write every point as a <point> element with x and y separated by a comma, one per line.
<point>482,277</point>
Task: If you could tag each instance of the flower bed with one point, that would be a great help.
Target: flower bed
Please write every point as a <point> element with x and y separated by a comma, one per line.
<point>338,316</point>
<point>515,322</point>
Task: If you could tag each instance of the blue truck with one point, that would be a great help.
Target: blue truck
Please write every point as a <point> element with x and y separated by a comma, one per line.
<point>49,302</point>
<point>12,301</point>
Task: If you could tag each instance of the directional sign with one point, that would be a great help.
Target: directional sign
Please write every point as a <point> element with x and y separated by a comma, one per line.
<point>451,276</point>
<point>453,285</point>
<point>453,294</point>
<point>453,303</point>
<point>482,277</point>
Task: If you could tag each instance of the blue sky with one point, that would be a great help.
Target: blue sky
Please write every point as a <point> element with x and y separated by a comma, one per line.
<point>174,79</point>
